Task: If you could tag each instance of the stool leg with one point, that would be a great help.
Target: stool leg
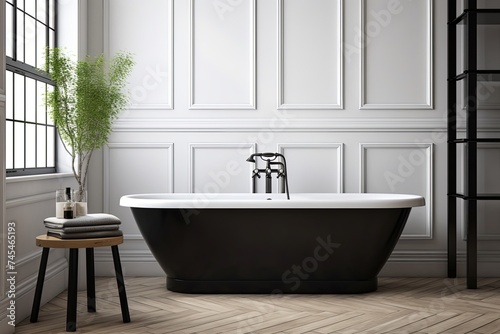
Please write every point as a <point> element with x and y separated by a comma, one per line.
<point>39,285</point>
<point>72,290</point>
<point>90,280</point>
<point>121,284</point>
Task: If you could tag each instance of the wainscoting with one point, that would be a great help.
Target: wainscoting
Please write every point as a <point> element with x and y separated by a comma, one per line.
<point>352,92</point>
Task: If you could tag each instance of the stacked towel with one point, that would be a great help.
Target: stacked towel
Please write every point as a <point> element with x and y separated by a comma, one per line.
<point>93,225</point>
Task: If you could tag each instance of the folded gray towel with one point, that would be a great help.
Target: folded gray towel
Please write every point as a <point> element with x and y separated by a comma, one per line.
<point>85,235</point>
<point>76,229</point>
<point>90,219</point>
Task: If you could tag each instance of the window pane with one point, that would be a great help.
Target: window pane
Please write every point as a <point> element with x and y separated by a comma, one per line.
<point>18,97</point>
<point>18,145</point>
<point>41,11</point>
<point>9,99</point>
<point>41,146</point>
<point>30,41</point>
<point>52,16</point>
<point>30,140</point>
<point>30,146</point>
<point>9,145</point>
<point>51,143</point>
<point>31,7</point>
<point>40,102</point>
<point>30,100</point>
<point>49,119</point>
<point>41,43</point>
<point>9,42</point>
<point>20,36</point>
<point>52,38</point>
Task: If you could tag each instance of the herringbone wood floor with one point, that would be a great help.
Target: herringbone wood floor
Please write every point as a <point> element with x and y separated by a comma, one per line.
<point>401,305</point>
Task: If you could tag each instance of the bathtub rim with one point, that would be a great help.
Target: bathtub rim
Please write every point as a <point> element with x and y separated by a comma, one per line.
<point>277,201</point>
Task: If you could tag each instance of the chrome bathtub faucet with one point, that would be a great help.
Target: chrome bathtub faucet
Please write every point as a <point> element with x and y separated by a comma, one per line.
<point>271,161</point>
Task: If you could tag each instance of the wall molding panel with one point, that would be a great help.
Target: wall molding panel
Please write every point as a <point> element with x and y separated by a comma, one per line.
<point>296,125</point>
<point>310,77</point>
<point>316,165</point>
<point>146,172</point>
<point>223,175</point>
<point>27,200</point>
<point>377,27</point>
<point>399,169</point>
<point>152,85</point>
<point>229,76</point>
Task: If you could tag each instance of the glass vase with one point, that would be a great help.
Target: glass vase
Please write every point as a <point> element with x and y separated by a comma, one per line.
<point>80,198</point>
<point>60,201</point>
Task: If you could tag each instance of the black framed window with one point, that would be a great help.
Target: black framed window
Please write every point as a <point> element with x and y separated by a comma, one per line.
<point>30,134</point>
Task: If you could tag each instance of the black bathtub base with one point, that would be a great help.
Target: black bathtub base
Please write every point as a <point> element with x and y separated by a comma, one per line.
<point>271,287</point>
<point>270,251</point>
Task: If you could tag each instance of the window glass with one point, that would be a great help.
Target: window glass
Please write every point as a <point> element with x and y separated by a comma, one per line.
<point>30,134</point>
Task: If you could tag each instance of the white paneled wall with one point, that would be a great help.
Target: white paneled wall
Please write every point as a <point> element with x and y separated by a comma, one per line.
<point>141,27</point>
<point>353,93</point>
<point>220,168</point>
<point>310,55</point>
<point>314,167</point>
<point>223,62</point>
<point>396,78</point>
<point>123,177</point>
<point>401,168</point>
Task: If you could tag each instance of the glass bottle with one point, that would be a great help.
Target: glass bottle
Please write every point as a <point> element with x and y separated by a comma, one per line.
<point>69,205</point>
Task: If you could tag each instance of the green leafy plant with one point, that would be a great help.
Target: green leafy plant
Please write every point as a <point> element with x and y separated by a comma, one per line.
<point>88,96</point>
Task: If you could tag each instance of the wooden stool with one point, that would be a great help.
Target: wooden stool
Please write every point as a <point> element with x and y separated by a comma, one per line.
<point>73,244</point>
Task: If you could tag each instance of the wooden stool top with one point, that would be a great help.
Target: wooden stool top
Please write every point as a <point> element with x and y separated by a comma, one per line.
<point>46,241</point>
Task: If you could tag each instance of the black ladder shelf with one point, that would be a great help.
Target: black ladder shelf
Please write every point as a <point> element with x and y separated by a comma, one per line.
<point>469,19</point>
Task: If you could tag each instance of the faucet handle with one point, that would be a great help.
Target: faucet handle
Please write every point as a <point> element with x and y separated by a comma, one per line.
<point>281,173</point>
<point>255,173</point>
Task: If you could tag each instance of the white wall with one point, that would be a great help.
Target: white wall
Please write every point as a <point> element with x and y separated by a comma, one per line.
<point>353,93</point>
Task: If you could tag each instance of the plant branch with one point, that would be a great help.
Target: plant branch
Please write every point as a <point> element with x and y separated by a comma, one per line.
<point>88,96</point>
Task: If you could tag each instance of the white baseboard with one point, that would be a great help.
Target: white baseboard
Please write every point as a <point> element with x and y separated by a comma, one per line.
<point>435,264</point>
<point>134,263</point>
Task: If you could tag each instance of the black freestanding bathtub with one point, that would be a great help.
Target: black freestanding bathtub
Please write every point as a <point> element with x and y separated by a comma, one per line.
<point>264,243</point>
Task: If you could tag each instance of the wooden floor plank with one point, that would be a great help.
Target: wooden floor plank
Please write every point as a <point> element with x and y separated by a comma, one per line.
<point>491,328</point>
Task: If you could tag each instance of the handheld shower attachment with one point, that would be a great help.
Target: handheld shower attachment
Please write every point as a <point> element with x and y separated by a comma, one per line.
<point>271,160</point>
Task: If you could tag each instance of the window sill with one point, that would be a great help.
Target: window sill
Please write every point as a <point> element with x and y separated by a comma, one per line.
<point>29,178</point>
